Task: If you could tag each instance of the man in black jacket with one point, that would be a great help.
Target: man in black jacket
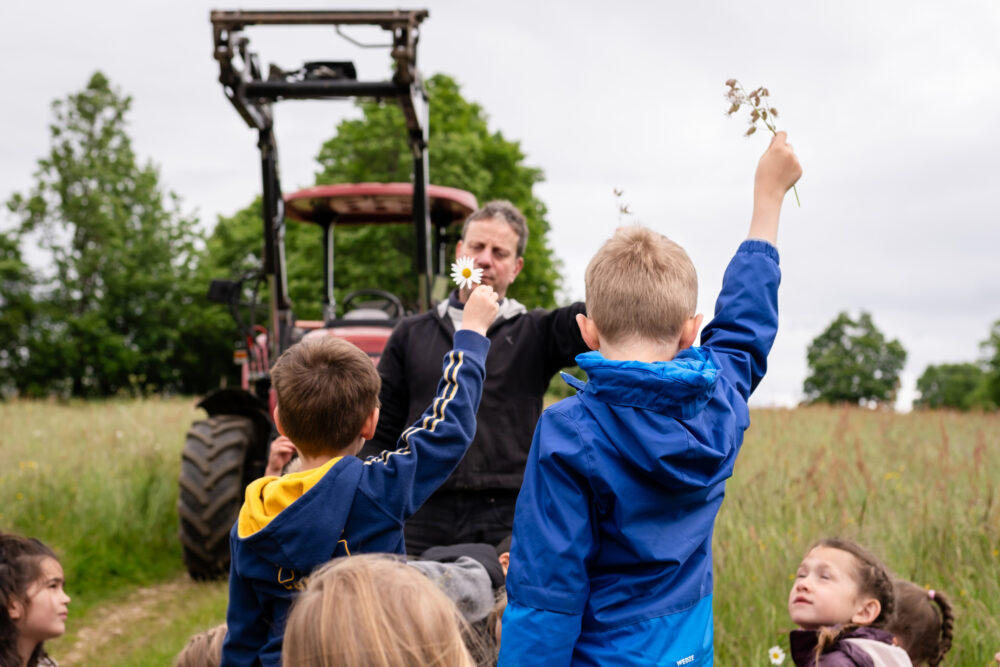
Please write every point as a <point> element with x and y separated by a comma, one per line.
<point>476,504</point>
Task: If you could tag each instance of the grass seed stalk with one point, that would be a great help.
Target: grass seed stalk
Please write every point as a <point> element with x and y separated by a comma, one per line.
<point>761,111</point>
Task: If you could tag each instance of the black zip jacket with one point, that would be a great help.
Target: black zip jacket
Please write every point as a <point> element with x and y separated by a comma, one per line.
<point>527,349</point>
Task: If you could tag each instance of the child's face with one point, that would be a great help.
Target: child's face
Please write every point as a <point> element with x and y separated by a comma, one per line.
<point>825,592</point>
<point>44,617</point>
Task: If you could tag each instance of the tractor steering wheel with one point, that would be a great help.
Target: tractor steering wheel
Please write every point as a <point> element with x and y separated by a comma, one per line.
<point>392,306</point>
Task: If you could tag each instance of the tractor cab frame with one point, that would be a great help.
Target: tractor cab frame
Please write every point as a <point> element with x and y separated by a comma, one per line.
<point>224,453</point>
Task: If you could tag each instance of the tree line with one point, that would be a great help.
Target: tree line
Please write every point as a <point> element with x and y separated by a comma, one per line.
<point>119,305</point>
<point>853,362</point>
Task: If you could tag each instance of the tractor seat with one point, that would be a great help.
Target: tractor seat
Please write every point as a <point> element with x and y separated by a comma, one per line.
<point>366,314</point>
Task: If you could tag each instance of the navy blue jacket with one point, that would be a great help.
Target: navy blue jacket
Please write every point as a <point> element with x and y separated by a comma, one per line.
<point>611,561</point>
<point>357,506</point>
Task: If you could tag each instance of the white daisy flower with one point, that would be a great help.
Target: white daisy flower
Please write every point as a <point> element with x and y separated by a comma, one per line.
<point>776,654</point>
<point>464,273</point>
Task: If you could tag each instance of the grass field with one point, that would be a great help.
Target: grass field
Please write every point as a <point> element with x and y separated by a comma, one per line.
<point>98,481</point>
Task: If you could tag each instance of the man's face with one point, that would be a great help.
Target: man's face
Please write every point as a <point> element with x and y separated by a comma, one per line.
<point>825,592</point>
<point>492,245</point>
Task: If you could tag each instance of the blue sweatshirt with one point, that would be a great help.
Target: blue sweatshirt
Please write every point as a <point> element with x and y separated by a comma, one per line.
<point>611,562</point>
<point>347,506</point>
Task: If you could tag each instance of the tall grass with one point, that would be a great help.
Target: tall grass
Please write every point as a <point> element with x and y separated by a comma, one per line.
<point>98,483</point>
<point>919,489</point>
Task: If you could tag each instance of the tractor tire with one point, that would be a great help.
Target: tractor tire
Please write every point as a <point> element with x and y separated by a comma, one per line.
<point>212,482</point>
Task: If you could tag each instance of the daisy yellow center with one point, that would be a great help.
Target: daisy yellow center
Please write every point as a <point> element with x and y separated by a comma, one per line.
<point>466,272</point>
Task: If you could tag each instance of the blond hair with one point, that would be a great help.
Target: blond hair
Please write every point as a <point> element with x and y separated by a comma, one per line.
<point>204,649</point>
<point>640,284</point>
<point>326,388</point>
<point>372,610</point>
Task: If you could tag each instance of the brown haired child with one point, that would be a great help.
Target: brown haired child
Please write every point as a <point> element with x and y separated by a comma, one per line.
<point>337,504</point>
<point>841,600</point>
<point>33,604</point>
<point>923,623</point>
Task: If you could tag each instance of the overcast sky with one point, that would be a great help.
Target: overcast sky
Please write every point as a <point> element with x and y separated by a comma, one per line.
<point>892,107</point>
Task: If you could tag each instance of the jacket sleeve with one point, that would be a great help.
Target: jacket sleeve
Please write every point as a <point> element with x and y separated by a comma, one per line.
<point>246,622</point>
<point>746,315</point>
<point>394,395</point>
<point>563,340</point>
<point>554,541</point>
<point>428,451</point>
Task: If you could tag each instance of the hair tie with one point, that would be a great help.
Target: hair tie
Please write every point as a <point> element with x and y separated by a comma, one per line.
<point>930,593</point>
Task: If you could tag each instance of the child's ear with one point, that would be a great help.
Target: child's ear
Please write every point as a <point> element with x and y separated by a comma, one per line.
<point>368,428</point>
<point>689,332</point>
<point>14,609</point>
<point>868,611</point>
<point>589,331</point>
<point>277,421</point>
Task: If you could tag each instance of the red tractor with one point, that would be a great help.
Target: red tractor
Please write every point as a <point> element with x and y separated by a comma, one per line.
<point>229,449</point>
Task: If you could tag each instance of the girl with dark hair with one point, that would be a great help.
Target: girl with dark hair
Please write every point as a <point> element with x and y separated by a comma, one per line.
<point>924,623</point>
<point>841,600</point>
<point>33,604</point>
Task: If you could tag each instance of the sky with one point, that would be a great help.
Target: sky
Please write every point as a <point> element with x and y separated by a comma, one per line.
<point>892,108</point>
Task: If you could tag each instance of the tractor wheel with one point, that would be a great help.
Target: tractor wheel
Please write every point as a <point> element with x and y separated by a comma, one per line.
<point>211,491</point>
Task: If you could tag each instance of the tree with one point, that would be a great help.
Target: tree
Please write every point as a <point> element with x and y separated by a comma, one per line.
<point>122,254</point>
<point>956,386</point>
<point>852,362</point>
<point>463,154</point>
<point>17,309</point>
<point>991,359</point>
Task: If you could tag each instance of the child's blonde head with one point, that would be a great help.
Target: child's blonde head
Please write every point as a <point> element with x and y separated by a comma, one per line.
<point>641,285</point>
<point>373,611</point>
<point>923,623</point>
<point>325,388</point>
<point>204,649</point>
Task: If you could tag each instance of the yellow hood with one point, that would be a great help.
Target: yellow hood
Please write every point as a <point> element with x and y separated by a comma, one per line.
<point>268,496</point>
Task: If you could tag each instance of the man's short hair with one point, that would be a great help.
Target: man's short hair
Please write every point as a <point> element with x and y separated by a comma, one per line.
<point>501,209</point>
<point>640,284</point>
<point>326,388</point>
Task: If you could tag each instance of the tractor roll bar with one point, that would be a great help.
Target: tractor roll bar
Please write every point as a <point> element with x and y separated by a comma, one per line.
<point>252,94</point>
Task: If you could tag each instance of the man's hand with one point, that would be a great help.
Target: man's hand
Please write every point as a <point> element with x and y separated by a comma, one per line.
<point>777,172</point>
<point>480,310</point>
<point>282,451</point>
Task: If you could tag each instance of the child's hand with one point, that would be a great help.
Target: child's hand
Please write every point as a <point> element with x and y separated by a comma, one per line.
<point>282,451</point>
<point>778,169</point>
<point>480,310</point>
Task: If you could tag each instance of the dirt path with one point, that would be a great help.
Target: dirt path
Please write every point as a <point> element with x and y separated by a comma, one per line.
<point>113,623</point>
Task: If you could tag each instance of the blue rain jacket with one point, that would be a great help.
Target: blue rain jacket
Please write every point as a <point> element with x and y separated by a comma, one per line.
<point>611,562</point>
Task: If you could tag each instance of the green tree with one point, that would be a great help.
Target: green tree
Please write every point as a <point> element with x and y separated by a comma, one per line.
<point>955,386</point>
<point>122,255</point>
<point>991,359</point>
<point>463,154</point>
<point>17,310</point>
<point>852,362</point>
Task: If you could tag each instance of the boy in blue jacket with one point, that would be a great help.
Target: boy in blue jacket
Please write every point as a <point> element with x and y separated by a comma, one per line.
<point>611,562</point>
<point>336,504</point>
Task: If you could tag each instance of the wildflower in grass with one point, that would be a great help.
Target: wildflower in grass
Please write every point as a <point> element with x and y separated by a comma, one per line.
<point>776,655</point>
<point>464,273</point>
<point>761,110</point>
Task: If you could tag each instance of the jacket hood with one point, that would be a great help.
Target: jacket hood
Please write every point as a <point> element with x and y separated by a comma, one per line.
<point>296,531</point>
<point>679,388</point>
<point>657,416</point>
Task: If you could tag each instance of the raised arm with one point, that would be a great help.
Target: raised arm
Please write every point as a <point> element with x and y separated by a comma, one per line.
<point>777,171</point>
<point>428,451</point>
<point>746,312</point>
